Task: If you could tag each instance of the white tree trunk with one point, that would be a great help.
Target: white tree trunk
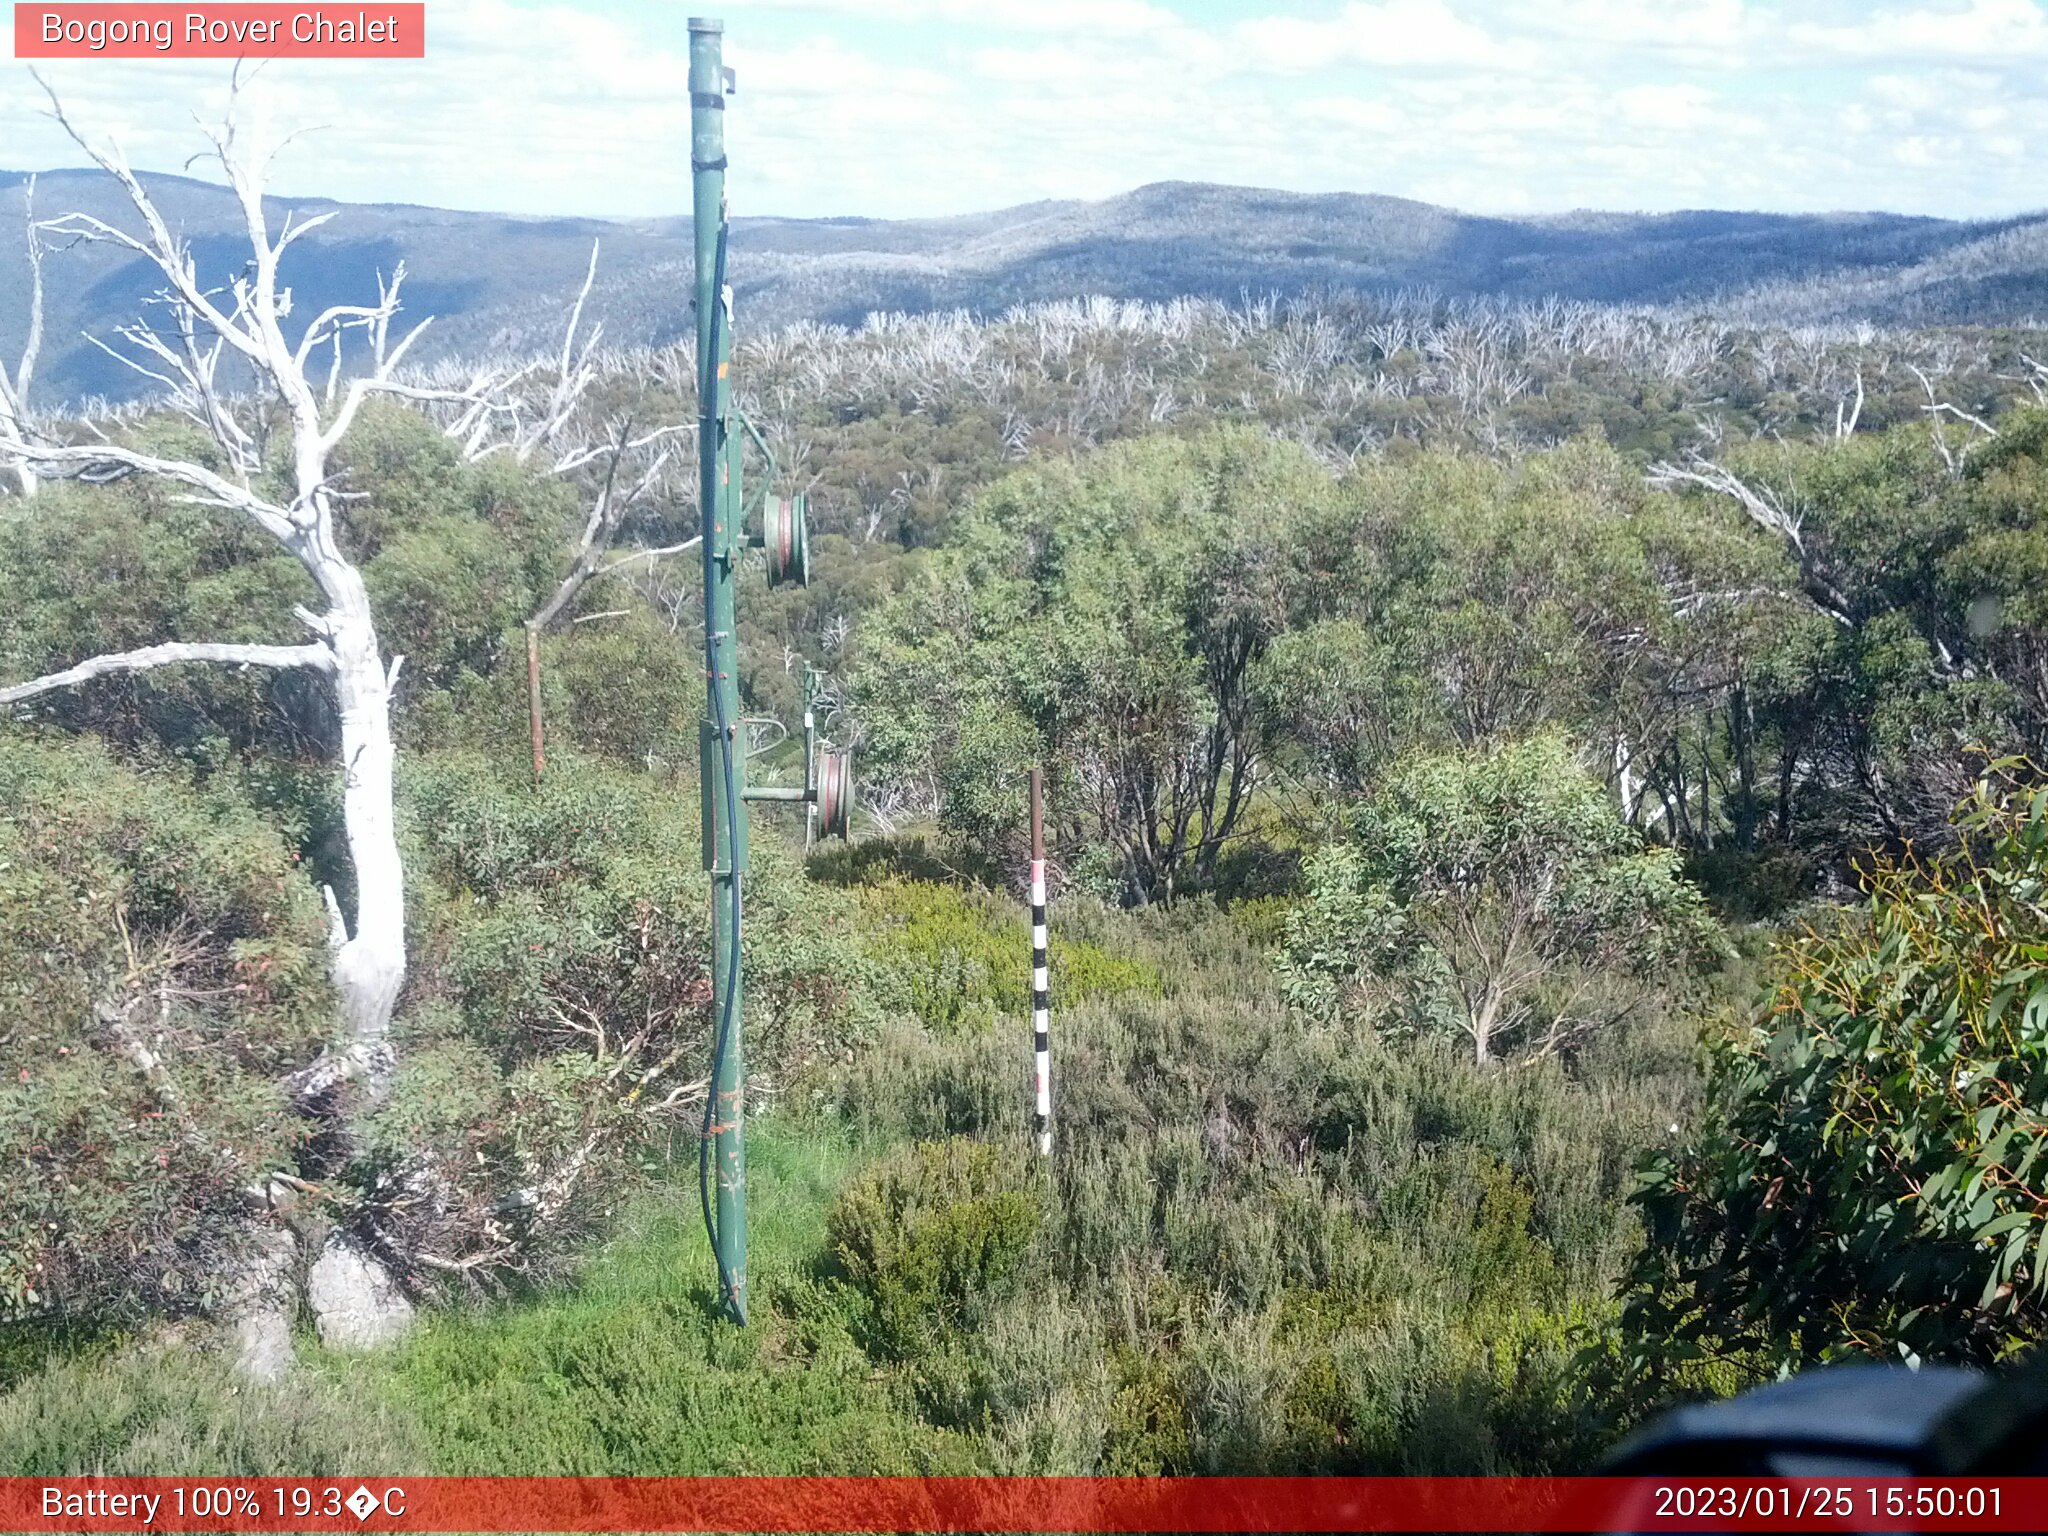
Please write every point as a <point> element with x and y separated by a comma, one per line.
<point>244,320</point>
<point>369,968</point>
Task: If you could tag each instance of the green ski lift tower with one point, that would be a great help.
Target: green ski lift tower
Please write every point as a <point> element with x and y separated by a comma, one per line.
<point>722,436</point>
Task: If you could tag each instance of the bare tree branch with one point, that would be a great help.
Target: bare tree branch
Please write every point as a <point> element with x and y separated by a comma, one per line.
<point>172,653</point>
<point>608,511</point>
<point>649,554</point>
<point>98,463</point>
<point>1936,408</point>
<point>1766,508</point>
<point>1845,423</point>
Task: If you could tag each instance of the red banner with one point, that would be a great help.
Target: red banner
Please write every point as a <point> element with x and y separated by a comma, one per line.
<point>213,31</point>
<point>1024,1504</point>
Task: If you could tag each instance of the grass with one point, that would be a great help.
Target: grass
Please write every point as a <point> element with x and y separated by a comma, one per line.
<point>161,1407</point>
<point>631,1371</point>
<point>628,1371</point>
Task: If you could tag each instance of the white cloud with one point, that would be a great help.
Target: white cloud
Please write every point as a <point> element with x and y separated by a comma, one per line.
<point>567,107</point>
<point>1726,27</point>
<point>1980,29</point>
<point>1395,34</point>
<point>1116,18</point>
<point>1666,106</point>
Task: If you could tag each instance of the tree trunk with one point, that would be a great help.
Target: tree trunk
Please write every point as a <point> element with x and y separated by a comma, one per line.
<point>369,968</point>
<point>1788,765</point>
<point>1742,736</point>
<point>533,722</point>
<point>1483,1025</point>
<point>1706,779</point>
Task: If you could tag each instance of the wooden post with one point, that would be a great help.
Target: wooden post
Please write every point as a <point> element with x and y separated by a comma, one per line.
<point>533,699</point>
<point>1041,1002</point>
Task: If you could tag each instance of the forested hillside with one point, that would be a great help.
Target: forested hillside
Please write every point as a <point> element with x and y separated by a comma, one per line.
<point>1548,908</point>
<point>496,283</point>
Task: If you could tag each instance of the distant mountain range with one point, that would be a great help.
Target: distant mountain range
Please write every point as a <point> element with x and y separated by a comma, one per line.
<point>497,282</point>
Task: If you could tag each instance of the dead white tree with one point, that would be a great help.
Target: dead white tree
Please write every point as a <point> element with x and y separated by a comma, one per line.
<point>1937,409</point>
<point>14,413</point>
<point>575,370</point>
<point>1771,510</point>
<point>245,321</point>
<point>1847,415</point>
<point>2035,378</point>
<point>248,319</point>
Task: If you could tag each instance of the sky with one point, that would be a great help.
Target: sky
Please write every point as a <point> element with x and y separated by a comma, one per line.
<point>902,108</point>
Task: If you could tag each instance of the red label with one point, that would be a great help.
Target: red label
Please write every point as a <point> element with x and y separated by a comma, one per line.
<point>260,31</point>
<point>1025,1504</point>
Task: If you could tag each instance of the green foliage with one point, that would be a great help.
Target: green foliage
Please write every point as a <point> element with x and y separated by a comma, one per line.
<point>931,1236</point>
<point>965,958</point>
<point>453,554</point>
<point>1269,1247</point>
<point>113,569</point>
<point>1866,1177</point>
<point>1494,893</point>
<point>1273,1239</point>
<point>625,1372</point>
<point>1926,561</point>
<point>166,1409</point>
<point>625,689</point>
<point>162,964</point>
<point>1101,618</point>
<point>1259,1247</point>
<point>632,1372</point>
<point>560,994</point>
<point>1450,598</point>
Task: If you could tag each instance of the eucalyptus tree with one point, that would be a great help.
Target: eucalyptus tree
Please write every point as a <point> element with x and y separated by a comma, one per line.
<point>1107,619</point>
<point>1492,893</point>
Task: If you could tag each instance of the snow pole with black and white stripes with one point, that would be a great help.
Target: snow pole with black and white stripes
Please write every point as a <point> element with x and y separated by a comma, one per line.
<point>1041,1000</point>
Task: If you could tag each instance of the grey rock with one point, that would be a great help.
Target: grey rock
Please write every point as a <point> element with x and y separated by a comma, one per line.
<point>260,1314</point>
<point>355,1302</point>
<point>263,1345</point>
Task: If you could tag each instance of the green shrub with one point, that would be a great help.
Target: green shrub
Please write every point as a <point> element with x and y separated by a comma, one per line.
<point>965,958</point>
<point>92,570</point>
<point>558,1007</point>
<point>164,1408</point>
<point>1868,1178</point>
<point>1264,918</point>
<point>1495,894</point>
<point>931,1235</point>
<point>162,964</point>
<point>1146,1433</point>
<point>631,1370</point>
<point>879,860</point>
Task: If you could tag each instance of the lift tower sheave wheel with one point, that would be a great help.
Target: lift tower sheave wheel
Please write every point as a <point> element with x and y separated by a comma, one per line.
<point>835,794</point>
<point>787,540</point>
